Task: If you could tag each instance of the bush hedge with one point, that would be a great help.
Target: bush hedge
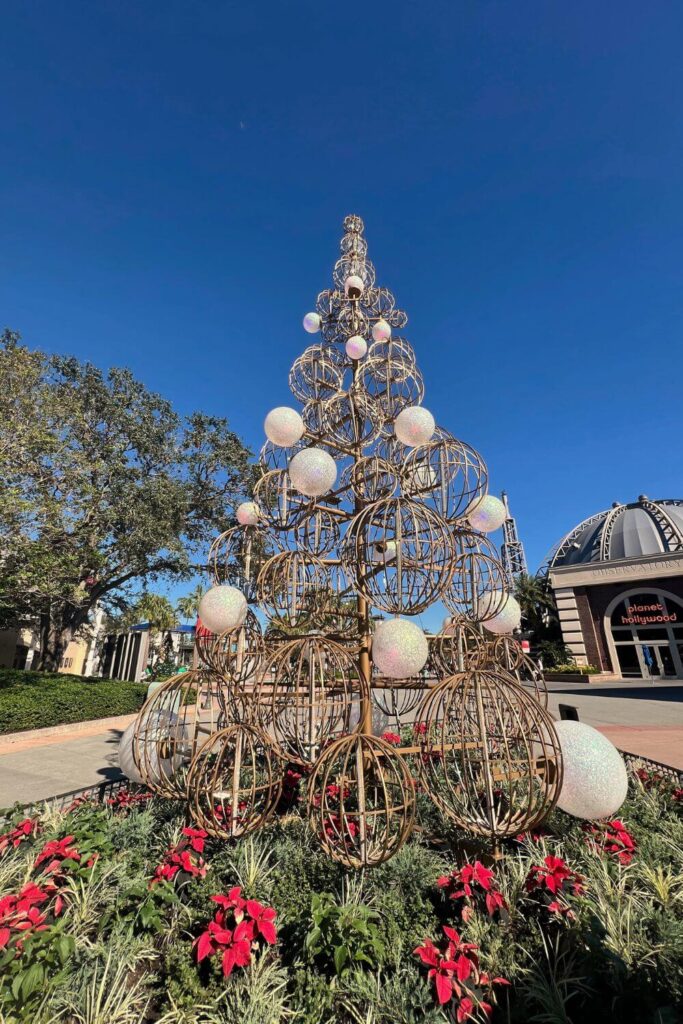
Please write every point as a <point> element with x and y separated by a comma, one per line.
<point>34,700</point>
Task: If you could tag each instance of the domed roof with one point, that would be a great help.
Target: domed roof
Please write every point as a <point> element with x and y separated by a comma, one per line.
<point>624,531</point>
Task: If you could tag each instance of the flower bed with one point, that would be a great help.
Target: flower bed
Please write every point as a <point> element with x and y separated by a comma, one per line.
<point>126,904</point>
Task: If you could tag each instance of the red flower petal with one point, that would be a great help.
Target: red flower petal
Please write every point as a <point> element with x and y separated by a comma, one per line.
<point>444,989</point>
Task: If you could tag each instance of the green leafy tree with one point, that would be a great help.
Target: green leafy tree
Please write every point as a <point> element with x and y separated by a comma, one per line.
<point>187,607</point>
<point>539,612</point>
<point>104,486</point>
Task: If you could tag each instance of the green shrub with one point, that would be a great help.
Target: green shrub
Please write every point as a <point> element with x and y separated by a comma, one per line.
<point>35,700</point>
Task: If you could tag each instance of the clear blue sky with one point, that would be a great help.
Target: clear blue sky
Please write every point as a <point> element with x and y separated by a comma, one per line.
<point>174,177</point>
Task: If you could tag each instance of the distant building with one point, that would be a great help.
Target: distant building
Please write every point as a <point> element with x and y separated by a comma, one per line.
<point>20,646</point>
<point>128,655</point>
<point>618,582</point>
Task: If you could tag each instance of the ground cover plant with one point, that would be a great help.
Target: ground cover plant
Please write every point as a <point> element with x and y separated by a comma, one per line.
<point>123,913</point>
<point>35,700</point>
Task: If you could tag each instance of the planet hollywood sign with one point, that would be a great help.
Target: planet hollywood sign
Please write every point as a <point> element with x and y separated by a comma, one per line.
<point>634,616</point>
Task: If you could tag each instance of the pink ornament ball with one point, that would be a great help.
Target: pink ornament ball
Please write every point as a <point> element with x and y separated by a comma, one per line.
<point>414,425</point>
<point>381,331</point>
<point>247,513</point>
<point>312,323</point>
<point>356,347</point>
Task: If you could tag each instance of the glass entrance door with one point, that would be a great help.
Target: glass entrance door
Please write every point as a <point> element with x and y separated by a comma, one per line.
<point>647,631</point>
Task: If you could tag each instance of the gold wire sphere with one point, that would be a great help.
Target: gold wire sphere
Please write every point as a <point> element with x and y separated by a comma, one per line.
<point>294,587</point>
<point>352,418</point>
<point>236,557</point>
<point>311,693</point>
<point>236,654</point>
<point>457,647</point>
<point>317,533</point>
<point>369,479</point>
<point>399,555</point>
<point>280,504</point>
<point>491,759</point>
<point>234,782</point>
<point>174,721</point>
<point>447,474</point>
<point>393,385</point>
<point>317,373</point>
<point>361,800</point>
<point>478,585</point>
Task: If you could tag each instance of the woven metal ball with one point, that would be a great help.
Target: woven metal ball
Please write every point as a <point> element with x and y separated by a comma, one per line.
<point>310,694</point>
<point>490,759</point>
<point>459,646</point>
<point>447,475</point>
<point>282,505</point>
<point>234,782</point>
<point>420,567</point>
<point>317,373</point>
<point>237,654</point>
<point>294,588</point>
<point>361,801</point>
<point>175,720</point>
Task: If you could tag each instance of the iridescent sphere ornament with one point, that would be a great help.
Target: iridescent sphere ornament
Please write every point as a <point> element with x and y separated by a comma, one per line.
<point>312,323</point>
<point>126,758</point>
<point>488,514</point>
<point>284,426</point>
<point>381,331</point>
<point>313,472</point>
<point>595,780</point>
<point>399,648</point>
<point>508,619</point>
<point>356,347</point>
<point>223,608</point>
<point>247,513</point>
<point>414,425</point>
<point>353,286</point>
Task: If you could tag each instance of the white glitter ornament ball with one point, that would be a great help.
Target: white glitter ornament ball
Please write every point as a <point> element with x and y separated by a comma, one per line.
<point>594,779</point>
<point>353,286</point>
<point>247,513</point>
<point>312,323</point>
<point>356,347</point>
<point>414,425</point>
<point>399,648</point>
<point>313,472</point>
<point>284,426</point>
<point>507,619</point>
<point>381,331</point>
<point>126,760</point>
<point>488,514</point>
<point>222,609</point>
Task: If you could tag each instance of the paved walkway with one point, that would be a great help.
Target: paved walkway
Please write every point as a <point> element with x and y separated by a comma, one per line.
<point>41,767</point>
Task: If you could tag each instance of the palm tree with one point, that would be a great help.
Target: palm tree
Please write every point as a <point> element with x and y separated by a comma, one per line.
<point>539,612</point>
<point>187,607</point>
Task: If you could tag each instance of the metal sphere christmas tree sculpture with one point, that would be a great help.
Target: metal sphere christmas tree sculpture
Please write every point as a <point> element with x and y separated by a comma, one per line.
<point>364,505</point>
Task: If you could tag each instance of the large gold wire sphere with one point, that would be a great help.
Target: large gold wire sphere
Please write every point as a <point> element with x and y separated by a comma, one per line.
<point>447,474</point>
<point>272,456</point>
<point>351,418</point>
<point>478,585</point>
<point>393,386</point>
<point>316,374</point>
<point>369,479</point>
<point>491,760</point>
<point>236,557</point>
<point>361,800</point>
<point>317,533</point>
<point>311,693</point>
<point>280,504</point>
<point>505,654</point>
<point>457,647</point>
<point>397,701</point>
<point>174,721</point>
<point>399,555</point>
<point>236,654</point>
<point>294,588</point>
<point>234,782</point>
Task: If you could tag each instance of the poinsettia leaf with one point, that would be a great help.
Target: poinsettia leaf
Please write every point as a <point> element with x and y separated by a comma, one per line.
<point>341,955</point>
<point>444,988</point>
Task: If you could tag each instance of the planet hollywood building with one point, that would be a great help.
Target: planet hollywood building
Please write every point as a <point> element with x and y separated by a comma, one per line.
<point>618,582</point>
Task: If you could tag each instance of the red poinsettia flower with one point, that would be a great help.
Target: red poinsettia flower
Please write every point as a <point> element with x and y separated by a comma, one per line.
<point>392,737</point>
<point>263,918</point>
<point>233,901</point>
<point>197,837</point>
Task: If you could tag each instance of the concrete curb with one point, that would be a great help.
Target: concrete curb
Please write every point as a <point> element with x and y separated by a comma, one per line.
<point>13,741</point>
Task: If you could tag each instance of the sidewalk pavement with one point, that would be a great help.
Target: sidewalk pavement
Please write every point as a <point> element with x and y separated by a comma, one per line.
<point>35,767</point>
